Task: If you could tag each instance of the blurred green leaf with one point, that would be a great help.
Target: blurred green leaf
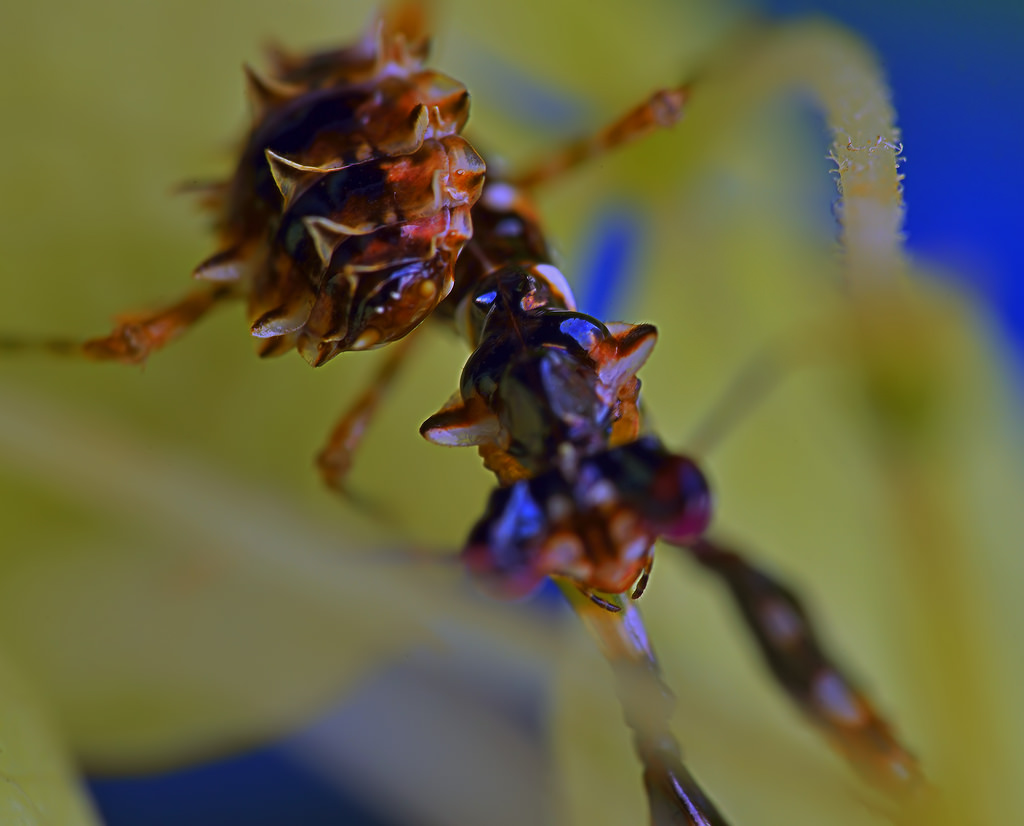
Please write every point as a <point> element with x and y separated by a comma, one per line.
<point>38,786</point>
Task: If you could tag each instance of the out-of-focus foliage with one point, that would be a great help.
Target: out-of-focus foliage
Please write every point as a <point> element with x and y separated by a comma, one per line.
<point>174,580</point>
<point>37,781</point>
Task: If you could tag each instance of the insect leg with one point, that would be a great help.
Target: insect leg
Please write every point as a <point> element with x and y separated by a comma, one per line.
<point>789,644</point>
<point>673,794</point>
<point>662,109</point>
<point>335,458</point>
<point>137,334</point>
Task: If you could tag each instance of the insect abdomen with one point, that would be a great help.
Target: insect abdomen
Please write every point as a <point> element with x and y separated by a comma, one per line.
<point>352,198</point>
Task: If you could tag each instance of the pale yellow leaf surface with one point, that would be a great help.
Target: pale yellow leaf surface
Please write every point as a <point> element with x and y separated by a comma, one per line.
<point>214,616</point>
<point>38,785</point>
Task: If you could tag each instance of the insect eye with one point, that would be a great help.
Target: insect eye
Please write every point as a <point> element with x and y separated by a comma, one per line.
<point>681,494</point>
<point>582,329</point>
<point>501,551</point>
<point>486,300</point>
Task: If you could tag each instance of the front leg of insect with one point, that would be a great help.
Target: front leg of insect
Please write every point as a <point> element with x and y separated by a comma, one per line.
<point>802,667</point>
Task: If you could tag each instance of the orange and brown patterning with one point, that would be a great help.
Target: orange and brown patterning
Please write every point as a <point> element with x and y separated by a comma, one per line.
<point>351,200</point>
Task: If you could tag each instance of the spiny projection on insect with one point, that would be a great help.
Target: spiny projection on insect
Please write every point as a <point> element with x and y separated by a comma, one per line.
<point>357,210</point>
